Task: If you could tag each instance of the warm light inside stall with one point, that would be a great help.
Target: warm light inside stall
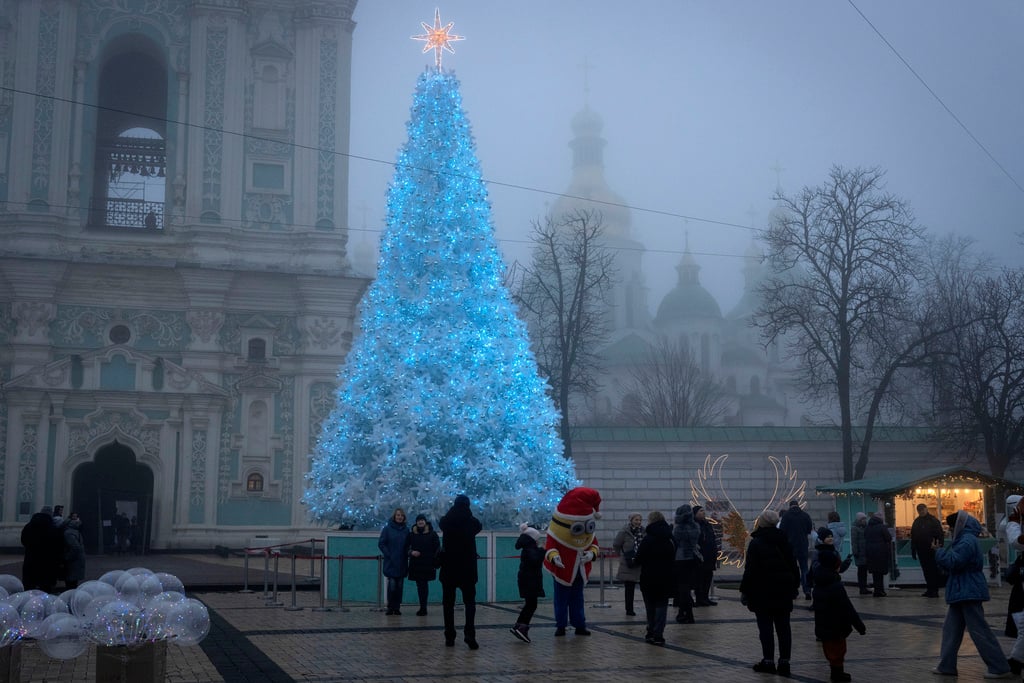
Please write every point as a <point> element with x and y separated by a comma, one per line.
<point>941,501</point>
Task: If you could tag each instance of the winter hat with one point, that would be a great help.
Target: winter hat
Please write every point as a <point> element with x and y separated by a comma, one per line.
<point>461,500</point>
<point>696,509</point>
<point>421,516</point>
<point>580,503</point>
<point>767,518</point>
<point>530,531</point>
<point>861,515</point>
<point>823,533</point>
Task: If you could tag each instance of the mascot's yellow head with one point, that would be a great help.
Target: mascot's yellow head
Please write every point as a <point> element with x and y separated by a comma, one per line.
<point>572,523</point>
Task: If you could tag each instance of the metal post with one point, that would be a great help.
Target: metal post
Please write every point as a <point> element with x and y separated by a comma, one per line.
<point>312,557</point>
<point>600,573</point>
<point>323,583</point>
<point>293,607</point>
<point>341,582</point>
<point>380,575</point>
<point>266,574</point>
<point>245,568</point>
<point>273,601</point>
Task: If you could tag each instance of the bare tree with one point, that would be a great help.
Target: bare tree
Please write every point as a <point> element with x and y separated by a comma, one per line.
<point>981,381</point>
<point>668,389</point>
<point>843,260</point>
<point>564,296</point>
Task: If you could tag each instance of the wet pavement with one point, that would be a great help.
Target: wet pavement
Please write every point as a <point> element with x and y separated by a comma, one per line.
<point>250,640</point>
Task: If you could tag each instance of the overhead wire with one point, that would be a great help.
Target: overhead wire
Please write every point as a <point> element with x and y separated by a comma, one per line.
<point>938,99</point>
<point>393,164</point>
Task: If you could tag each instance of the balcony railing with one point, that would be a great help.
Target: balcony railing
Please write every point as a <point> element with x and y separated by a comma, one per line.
<point>130,214</point>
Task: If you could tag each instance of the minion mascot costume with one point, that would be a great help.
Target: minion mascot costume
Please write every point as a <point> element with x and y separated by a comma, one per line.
<point>569,549</point>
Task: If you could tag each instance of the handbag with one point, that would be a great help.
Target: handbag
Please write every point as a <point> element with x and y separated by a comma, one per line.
<point>439,558</point>
<point>630,557</point>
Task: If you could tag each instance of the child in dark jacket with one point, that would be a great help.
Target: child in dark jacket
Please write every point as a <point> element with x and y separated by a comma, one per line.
<point>834,614</point>
<point>531,578</point>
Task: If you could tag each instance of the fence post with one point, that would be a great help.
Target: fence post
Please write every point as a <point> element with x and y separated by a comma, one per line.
<point>266,574</point>
<point>600,569</point>
<point>245,568</point>
<point>273,601</point>
<point>380,576</point>
<point>293,607</point>
<point>312,557</point>
<point>341,582</point>
<point>323,583</point>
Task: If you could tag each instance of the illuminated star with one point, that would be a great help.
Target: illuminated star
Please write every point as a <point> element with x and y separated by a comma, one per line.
<point>437,37</point>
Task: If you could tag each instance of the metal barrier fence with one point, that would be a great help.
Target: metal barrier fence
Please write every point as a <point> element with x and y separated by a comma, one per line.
<point>334,582</point>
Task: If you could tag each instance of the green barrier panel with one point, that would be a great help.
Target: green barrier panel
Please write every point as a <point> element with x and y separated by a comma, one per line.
<point>361,575</point>
<point>506,581</point>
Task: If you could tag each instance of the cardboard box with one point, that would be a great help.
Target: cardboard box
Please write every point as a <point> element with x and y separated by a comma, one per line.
<point>10,663</point>
<point>145,663</point>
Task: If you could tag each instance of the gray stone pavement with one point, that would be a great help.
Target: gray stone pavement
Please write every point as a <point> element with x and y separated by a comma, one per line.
<point>252,642</point>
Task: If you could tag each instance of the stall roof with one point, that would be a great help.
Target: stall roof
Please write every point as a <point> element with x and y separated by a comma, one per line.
<point>898,483</point>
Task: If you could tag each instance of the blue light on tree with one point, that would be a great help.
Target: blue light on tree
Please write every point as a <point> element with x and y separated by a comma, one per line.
<point>440,393</point>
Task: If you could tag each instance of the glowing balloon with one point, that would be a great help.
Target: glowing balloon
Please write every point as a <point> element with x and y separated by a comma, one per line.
<point>170,582</point>
<point>62,637</point>
<point>11,583</point>
<point>98,588</point>
<point>10,624</point>
<point>92,609</point>
<point>189,622</point>
<point>32,612</point>
<point>117,623</point>
<point>128,589</point>
<point>149,587</point>
<point>111,577</point>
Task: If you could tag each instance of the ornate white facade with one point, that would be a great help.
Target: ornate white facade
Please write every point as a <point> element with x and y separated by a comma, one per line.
<point>175,294</point>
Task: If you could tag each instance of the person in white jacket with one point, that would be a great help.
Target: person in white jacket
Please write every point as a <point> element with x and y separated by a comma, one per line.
<point>1015,504</point>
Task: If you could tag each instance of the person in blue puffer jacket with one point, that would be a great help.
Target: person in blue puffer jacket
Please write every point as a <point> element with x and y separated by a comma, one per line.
<point>966,590</point>
<point>394,552</point>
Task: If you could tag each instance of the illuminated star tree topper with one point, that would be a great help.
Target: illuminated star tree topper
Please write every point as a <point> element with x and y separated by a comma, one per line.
<point>437,37</point>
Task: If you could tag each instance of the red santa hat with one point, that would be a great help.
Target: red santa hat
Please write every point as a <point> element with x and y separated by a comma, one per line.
<point>580,503</point>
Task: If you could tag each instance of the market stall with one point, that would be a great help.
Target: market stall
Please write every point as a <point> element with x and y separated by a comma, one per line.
<point>944,490</point>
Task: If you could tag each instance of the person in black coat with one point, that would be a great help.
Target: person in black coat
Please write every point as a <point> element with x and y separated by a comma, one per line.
<point>44,552</point>
<point>925,529</point>
<point>656,557</point>
<point>423,547</point>
<point>878,545</point>
<point>708,545</point>
<point>834,614</point>
<point>458,568</point>
<point>797,526</point>
<point>530,578</point>
<point>770,583</point>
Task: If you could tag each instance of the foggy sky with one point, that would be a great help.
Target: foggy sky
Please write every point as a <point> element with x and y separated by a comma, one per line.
<point>700,102</point>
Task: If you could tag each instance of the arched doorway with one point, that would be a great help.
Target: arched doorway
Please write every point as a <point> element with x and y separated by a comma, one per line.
<point>114,483</point>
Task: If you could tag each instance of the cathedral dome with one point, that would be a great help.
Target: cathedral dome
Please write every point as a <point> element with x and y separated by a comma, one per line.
<point>689,300</point>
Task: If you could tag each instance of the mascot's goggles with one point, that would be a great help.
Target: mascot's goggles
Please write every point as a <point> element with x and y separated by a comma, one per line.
<point>577,528</point>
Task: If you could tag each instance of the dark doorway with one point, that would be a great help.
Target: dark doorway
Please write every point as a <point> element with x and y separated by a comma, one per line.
<point>113,484</point>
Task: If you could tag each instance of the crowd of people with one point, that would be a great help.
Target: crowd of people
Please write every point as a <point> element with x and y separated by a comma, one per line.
<point>54,550</point>
<point>674,563</point>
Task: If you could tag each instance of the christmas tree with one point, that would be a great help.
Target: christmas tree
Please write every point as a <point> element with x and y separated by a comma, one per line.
<point>439,394</point>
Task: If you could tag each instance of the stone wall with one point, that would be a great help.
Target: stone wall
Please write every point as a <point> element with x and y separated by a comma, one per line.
<point>745,469</point>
